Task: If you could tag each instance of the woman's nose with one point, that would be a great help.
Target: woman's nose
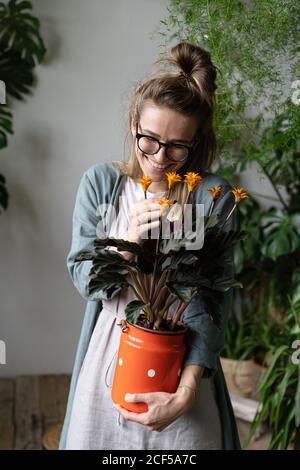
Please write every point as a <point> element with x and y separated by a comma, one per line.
<point>161,156</point>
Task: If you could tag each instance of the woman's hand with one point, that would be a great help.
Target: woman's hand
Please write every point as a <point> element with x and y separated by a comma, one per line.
<point>144,216</point>
<point>163,408</point>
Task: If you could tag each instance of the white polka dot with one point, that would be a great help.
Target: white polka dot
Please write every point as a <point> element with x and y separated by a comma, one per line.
<point>120,361</point>
<point>151,373</point>
<point>179,372</point>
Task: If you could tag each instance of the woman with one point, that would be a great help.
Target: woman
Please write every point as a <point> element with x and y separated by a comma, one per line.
<point>170,117</point>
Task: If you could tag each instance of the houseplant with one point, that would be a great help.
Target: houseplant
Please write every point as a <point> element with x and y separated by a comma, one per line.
<point>254,46</point>
<point>21,49</point>
<point>240,370</point>
<point>279,392</point>
<point>163,272</point>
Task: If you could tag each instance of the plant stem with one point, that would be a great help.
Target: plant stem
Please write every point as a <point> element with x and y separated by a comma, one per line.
<point>161,288</point>
<point>211,208</point>
<point>159,298</point>
<point>224,222</point>
<point>146,282</point>
<point>139,285</point>
<point>181,307</point>
<point>158,238</point>
<point>169,301</point>
<point>161,281</point>
<point>137,294</point>
<point>153,280</point>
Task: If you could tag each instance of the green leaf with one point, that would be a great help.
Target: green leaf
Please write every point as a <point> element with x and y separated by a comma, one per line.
<point>122,245</point>
<point>145,258</point>
<point>223,285</point>
<point>179,258</point>
<point>134,309</point>
<point>16,72</point>
<point>184,293</point>
<point>269,372</point>
<point>4,196</point>
<point>6,125</point>
<point>281,391</point>
<point>20,32</point>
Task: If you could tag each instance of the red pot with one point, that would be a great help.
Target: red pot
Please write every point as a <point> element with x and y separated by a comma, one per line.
<point>148,361</point>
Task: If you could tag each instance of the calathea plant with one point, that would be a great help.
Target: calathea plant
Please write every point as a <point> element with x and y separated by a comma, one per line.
<point>176,267</point>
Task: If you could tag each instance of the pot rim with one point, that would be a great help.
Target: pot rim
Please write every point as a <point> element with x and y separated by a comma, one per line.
<point>158,332</point>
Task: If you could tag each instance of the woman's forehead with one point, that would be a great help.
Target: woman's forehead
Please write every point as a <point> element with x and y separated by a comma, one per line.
<point>165,121</point>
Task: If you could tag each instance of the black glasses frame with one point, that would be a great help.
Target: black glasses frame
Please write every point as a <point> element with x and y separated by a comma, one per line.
<point>161,144</point>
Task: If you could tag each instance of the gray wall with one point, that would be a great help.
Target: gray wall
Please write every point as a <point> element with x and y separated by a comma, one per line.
<point>77,116</point>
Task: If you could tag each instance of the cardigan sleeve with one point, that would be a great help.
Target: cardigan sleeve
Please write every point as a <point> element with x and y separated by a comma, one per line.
<point>86,227</point>
<point>204,340</point>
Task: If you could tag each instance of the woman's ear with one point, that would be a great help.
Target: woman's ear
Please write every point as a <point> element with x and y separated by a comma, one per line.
<point>133,127</point>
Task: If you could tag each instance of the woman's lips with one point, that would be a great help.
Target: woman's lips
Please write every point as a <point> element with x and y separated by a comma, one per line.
<point>157,170</point>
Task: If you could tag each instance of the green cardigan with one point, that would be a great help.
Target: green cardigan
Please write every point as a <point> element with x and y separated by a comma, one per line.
<point>101,185</point>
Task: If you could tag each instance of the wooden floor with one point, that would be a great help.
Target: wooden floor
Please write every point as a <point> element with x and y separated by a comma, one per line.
<point>32,409</point>
<point>29,405</point>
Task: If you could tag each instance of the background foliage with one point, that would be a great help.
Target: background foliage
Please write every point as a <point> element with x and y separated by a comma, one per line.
<point>255,45</point>
<point>21,49</point>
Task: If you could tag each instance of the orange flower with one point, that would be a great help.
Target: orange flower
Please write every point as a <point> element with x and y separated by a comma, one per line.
<point>192,180</point>
<point>239,194</point>
<point>145,182</point>
<point>172,178</point>
<point>215,191</point>
<point>164,202</point>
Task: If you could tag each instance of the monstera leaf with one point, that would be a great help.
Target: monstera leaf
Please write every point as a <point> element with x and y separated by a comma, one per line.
<point>15,72</point>
<point>6,126</point>
<point>281,234</point>
<point>21,48</point>
<point>20,31</point>
<point>3,193</point>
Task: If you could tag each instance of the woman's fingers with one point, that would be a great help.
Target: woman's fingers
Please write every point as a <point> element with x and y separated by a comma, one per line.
<point>147,217</point>
<point>143,217</point>
<point>142,208</point>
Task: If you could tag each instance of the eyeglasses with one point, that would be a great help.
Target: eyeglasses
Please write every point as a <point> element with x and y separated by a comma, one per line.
<point>150,146</point>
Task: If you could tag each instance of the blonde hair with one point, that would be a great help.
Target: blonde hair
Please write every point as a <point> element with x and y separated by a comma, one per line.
<point>188,90</point>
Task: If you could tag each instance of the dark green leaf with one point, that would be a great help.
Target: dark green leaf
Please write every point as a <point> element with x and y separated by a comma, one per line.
<point>184,293</point>
<point>134,309</point>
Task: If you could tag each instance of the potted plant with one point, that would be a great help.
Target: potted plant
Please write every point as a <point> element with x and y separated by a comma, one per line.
<point>279,392</point>
<point>165,270</point>
<point>238,364</point>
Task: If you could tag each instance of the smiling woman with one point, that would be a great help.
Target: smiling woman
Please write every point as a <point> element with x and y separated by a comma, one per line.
<point>156,157</point>
<point>170,120</point>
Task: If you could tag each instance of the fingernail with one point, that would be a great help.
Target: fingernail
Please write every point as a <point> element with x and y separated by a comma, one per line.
<point>127,396</point>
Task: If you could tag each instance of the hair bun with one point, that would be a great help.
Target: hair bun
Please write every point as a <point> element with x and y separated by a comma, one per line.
<point>195,62</point>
